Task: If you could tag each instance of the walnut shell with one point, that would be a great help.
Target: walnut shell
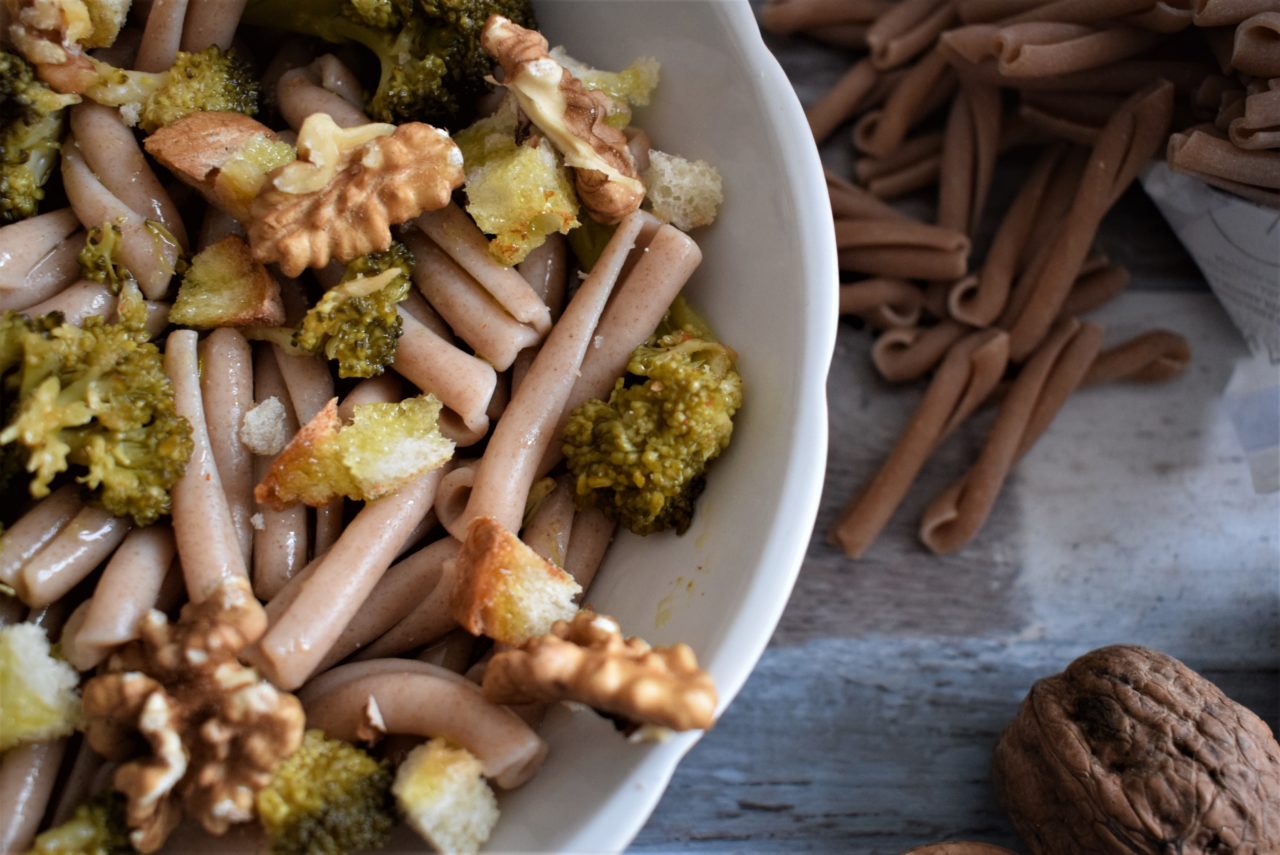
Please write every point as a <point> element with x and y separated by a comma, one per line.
<point>1130,751</point>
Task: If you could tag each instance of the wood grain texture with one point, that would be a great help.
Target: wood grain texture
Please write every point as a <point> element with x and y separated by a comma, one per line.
<point>869,724</point>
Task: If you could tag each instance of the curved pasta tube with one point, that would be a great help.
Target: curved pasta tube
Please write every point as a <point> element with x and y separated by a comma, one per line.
<point>38,258</point>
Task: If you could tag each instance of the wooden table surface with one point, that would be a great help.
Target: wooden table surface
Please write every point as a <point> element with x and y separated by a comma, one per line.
<point>868,725</point>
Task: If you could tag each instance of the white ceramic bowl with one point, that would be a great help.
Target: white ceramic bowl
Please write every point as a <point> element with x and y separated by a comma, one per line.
<point>768,286</point>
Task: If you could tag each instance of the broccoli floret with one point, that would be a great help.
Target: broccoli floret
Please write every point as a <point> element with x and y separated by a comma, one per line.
<point>100,258</point>
<point>95,396</point>
<point>98,827</point>
<point>327,797</point>
<point>356,322</point>
<point>209,80</point>
<point>384,447</point>
<point>38,697</point>
<point>432,65</point>
<point>519,193</point>
<point>442,793</point>
<point>32,117</point>
<point>641,455</point>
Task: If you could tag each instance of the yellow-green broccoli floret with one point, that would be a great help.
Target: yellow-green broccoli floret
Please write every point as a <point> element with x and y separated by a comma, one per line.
<point>640,456</point>
<point>327,798</point>
<point>517,192</point>
<point>442,792</point>
<point>631,87</point>
<point>97,827</point>
<point>100,259</point>
<point>208,80</point>
<point>32,118</point>
<point>432,66</point>
<point>356,323</point>
<point>38,698</point>
<point>385,446</point>
<point>94,396</point>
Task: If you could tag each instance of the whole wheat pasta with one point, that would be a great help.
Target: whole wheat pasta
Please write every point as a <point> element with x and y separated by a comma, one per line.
<point>1201,151</point>
<point>282,539</point>
<point>462,435</point>
<point>310,387</point>
<point>429,619</point>
<point>967,375</point>
<point>417,698</point>
<point>453,652</point>
<point>1120,78</point>
<point>907,29</point>
<point>521,439</point>
<point>126,591</point>
<point>546,269</point>
<point>588,542</point>
<point>910,152</point>
<point>117,159</point>
<point>1151,357</point>
<point>74,553</point>
<point>303,633</point>
<point>27,776</point>
<point>848,201</point>
<point>162,36</point>
<point>383,389</point>
<point>210,22</point>
<point>416,306</point>
<point>1256,48</point>
<point>39,258</point>
<point>548,530</point>
<point>84,299</point>
<point>842,100</point>
<point>1259,127</point>
<point>969,156</point>
<point>1045,49</point>
<point>1079,11</point>
<point>1127,142</point>
<point>908,179</point>
<point>88,775</point>
<point>1231,108</point>
<point>405,585</point>
<point>1167,16</point>
<point>470,310</point>
<point>302,92</point>
<point>226,382</point>
<point>635,310</point>
<point>462,382</point>
<point>453,494</point>
<point>35,529</point>
<point>903,249</point>
<point>456,233</point>
<point>908,353</point>
<point>206,535</point>
<point>847,36</point>
<point>935,295</point>
<point>986,11</point>
<point>930,81</point>
<point>1094,288</point>
<point>1053,372</point>
<point>882,302</point>
<point>1077,117</point>
<point>979,302</point>
<point>1223,13</point>
<point>790,16</point>
<point>150,259</point>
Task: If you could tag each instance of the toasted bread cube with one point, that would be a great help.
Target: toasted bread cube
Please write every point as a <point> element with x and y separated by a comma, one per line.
<point>225,287</point>
<point>685,193</point>
<point>507,591</point>
<point>442,792</point>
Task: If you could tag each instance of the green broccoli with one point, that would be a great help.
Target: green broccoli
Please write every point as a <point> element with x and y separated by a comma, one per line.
<point>98,827</point>
<point>100,258</point>
<point>208,80</point>
<point>327,797</point>
<point>432,65</point>
<point>38,698</point>
<point>95,396</point>
<point>32,117</point>
<point>641,455</point>
<point>356,322</point>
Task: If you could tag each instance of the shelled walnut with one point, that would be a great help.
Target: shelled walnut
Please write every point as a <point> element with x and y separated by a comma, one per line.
<point>1130,751</point>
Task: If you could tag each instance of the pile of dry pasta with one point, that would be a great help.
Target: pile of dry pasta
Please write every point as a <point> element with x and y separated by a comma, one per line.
<point>435,619</point>
<point>1094,89</point>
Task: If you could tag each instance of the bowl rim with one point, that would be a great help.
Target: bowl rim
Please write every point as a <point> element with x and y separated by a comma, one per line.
<point>783,548</point>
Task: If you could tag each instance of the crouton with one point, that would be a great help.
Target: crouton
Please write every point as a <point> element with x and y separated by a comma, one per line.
<point>685,193</point>
<point>225,287</point>
<point>442,792</point>
<point>505,590</point>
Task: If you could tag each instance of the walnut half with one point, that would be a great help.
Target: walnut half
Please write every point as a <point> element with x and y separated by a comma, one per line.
<point>215,729</point>
<point>1130,751</point>
<point>587,660</point>
<point>389,180</point>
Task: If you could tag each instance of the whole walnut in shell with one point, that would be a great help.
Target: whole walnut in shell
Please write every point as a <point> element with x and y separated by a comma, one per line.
<point>1130,751</point>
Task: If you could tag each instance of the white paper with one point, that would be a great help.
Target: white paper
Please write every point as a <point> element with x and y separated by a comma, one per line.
<point>1236,245</point>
